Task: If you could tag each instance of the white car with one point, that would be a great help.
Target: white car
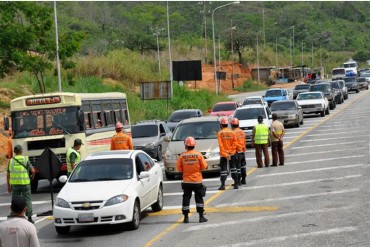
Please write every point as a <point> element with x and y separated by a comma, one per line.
<point>248,115</point>
<point>110,187</point>
<point>313,103</point>
<point>254,100</point>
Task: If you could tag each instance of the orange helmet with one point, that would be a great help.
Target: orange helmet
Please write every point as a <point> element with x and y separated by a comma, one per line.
<point>119,125</point>
<point>224,121</point>
<point>235,121</point>
<point>190,141</point>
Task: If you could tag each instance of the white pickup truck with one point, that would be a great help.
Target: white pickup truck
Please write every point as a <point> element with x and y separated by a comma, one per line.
<point>313,103</point>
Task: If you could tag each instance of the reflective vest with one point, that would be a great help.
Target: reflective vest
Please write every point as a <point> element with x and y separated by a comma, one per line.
<point>18,174</point>
<point>261,135</point>
<point>78,158</point>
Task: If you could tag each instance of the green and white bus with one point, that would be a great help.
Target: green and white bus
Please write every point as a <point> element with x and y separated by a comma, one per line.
<point>55,120</point>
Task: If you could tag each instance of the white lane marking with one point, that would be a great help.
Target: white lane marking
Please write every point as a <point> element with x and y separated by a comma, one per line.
<point>309,170</point>
<point>329,144</point>
<point>322,152</point>
<point>339,133</point>
<point>299,182</point>
<point>335,130</point>
<point>335,138</point>
<point>33,203</point>
<point>262,218</point>
<point>320,160</point>
<point>181,193</point>
<point>177,207</point>
<point>287,198</point>
<point>267,241</point>
<point>331,126</point>
<point>40,220</point>
<point>204,180</point>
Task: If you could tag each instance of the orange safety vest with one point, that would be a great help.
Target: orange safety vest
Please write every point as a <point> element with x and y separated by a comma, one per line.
<point>121,141</point>
<point>10,148</point>
<point>227,142</point>
<point>240,140</point>
<point>191,163</point>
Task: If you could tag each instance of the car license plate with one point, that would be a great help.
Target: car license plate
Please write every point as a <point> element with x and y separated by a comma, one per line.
<point>86,217</point>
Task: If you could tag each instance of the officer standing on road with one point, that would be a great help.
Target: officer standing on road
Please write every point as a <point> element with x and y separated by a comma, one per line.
<point>9,154</point>
<point>277,130</point>
<point>18,178</point>
<point>121,141</point>
<point>190,164</point>
<point>260,139</point>
<point>16,231</point>
<point>227,143</point>
<point>241,166</point>
<point>73,156</point>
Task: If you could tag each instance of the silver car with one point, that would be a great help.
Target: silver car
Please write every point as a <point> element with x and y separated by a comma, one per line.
<point>289,112</point>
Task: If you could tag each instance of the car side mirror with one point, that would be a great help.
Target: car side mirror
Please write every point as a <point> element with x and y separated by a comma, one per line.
<point>63,179</point>
<point>143,175</point>
<point>6,123</point>
<point>166,139</point>
<point>163,134</point>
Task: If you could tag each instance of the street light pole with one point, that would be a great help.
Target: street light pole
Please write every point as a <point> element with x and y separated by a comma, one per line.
<point>258,62</point>
<point>57,47</point>
<point>264,30</point>
<point>214,45</point>
<point>276,49</point>
<point>169,49</point>
<point>219,52</point>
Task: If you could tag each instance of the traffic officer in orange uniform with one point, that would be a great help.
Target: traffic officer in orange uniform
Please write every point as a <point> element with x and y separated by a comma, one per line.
<point>227,143</point>
<point>190,164</point>
<point>9,154</point>
<point>241,166</point>
<point>121,141</point>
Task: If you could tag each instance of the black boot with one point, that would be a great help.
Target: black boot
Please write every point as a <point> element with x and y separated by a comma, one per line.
<point>186,219</point>
<point>202,218</point>
<point>222,187</point>
<point>236,184</point>
<point>243,181</point>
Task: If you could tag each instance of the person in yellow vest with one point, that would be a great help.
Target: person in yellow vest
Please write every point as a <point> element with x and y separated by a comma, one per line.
<point>18,178</point>
<point>277,145</point>
<point>260,140</point>
<point>73,156</point>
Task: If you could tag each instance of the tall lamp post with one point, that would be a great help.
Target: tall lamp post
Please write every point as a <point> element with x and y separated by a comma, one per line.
<point>214,44</point>
<point>57,47</point>
<point>276,49</point>
<point>219,49</point>
<point>157,32</point>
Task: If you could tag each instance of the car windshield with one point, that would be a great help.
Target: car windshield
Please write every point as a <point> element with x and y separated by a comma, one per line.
<point>365,74</point>
<point>179,116</point>
<point>335,85</point>
<point>198,130</point>
<point>252,101</point>
<point>320,87</point>
<point>349,79</point>
<point>224,107</point>
<point>102,170</point>
<point>251,113</point>
<point>283,106</point>
<point>361,79</point>
<point>139,131</point>
<point>302,87</point>
<point>309,96</point>
<point>273,93</point>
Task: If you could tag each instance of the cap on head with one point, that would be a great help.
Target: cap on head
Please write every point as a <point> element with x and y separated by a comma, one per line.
<point>274,116</point>
<point>119,125</point>
<point>235,121</point>
<point>260,119</point>
<point>190,141</point>
<point>224,121</point>
<point>18,203</point>
<point>18,148</point>
<point>78,142</point>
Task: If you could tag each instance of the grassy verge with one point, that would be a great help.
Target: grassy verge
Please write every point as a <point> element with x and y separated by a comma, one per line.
<point>250,86</point>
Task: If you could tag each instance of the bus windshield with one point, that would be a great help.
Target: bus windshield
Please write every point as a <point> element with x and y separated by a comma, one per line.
<point>44,122</point>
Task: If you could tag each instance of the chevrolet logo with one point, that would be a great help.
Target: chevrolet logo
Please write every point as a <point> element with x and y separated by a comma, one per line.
<point>86,205</point>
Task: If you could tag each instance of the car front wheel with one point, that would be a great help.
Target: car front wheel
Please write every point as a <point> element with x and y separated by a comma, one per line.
<point>327,111</point>
<point>134,224</point>
<point>158,205</point>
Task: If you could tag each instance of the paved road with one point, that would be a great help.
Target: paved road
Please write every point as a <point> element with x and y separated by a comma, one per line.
<point>319,198</point>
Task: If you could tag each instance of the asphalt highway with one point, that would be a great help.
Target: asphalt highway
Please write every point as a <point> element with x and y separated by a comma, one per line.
<point>319,198</point>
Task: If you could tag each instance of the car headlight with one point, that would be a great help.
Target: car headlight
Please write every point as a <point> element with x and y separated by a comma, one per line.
<point>115,200</point>
<point>170,156</point>
<point>61,203</point>
<point>214,153</point>
<point>318,105</point>
<point>291,116</point>
<point>150,145</point>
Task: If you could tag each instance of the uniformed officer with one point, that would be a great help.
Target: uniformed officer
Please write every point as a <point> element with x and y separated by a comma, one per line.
<point>9,153</point>
<point>260,139</point>
<point>227,143</point>
<point>18,178</point>
<point>277,145</point>
<point>241,166</point>
<point>73,156</point>
<point>121,141</point>
<point>190,164</point>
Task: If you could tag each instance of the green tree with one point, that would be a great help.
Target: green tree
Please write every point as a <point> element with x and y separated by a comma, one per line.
<point>27,40</point>
<point>362,56</point>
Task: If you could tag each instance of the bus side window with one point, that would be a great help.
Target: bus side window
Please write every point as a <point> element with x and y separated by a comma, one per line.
<point>88,120</point>
<point>109,118</point>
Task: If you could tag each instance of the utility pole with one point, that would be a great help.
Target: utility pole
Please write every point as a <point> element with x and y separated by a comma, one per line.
<point>57,47</point>
<point>205,29</point>
<point>232,57</point>
<point>264,30</point>
<point>258,63</point>
<point>169,48</point>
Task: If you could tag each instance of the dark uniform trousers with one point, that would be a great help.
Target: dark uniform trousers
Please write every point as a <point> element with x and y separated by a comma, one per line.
<point>25,191</point>
<point>259,148</point>
<point>243,164</point>
<point>188,189</point>
<point>277,152</point>
<point>234,168</point>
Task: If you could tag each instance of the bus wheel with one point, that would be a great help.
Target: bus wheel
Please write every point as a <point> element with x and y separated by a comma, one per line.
<point>34,185</point>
